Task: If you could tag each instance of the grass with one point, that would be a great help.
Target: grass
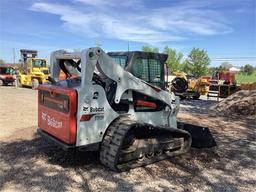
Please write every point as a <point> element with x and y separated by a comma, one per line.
<point>243,78</point>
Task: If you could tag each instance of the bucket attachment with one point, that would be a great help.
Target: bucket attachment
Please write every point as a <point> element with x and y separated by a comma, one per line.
<point>201,136</point>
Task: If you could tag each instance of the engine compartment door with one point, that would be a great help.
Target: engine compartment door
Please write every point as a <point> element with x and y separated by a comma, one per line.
<point>57,107</point>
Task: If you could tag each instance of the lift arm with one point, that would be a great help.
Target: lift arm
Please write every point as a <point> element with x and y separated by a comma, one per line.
<point>96,58</point>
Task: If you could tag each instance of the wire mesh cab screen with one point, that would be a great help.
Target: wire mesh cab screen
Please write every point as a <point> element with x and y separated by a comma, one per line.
<point>148,70</point>
<point>120,60</point>
<point>144,65</point>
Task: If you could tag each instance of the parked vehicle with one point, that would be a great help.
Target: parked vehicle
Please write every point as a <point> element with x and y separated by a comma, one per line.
<point>33,70</point>
<point>7,75</point>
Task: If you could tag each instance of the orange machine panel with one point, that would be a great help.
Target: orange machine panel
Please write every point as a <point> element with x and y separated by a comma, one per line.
<point>57,108</point>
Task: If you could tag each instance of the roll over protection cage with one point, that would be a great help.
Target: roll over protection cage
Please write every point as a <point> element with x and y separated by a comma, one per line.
<point>96,58</point>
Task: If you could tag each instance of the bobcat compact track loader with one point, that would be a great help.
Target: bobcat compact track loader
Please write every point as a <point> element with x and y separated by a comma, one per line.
<point>114,104</point>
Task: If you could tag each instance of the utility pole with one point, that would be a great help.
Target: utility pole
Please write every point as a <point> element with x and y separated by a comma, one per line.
<point>14,61</point>
<point>14,55</point>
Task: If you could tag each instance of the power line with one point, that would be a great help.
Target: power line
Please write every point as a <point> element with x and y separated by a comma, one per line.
<point>233,58</point>
<point>249,58</point>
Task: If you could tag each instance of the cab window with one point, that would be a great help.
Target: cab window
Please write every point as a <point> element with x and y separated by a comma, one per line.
<point>120,60</point>
<point>7,70</point>
<point>148,70</point>
<point>39,63</point>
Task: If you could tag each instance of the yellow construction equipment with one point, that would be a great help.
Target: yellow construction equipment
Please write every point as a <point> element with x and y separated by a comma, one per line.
<point>33,70</point>
<point>188,86</point>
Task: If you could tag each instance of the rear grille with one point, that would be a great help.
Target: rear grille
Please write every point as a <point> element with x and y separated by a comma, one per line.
<point>55,101</point>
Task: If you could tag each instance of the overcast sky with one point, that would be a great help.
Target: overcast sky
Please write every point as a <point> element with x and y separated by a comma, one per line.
<point>226,29</point>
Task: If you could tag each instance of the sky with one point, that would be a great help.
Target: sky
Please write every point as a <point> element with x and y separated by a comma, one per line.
<point>226,29</point>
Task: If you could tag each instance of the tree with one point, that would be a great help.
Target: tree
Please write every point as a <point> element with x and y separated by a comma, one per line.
<point>214,70</point>
<point>197,62</point>
<point>185,67</point>
<point>174,59</point>
<point>2,62</point>
<point>226,66</point>
<point>248,69</point>
<point>147,48</point>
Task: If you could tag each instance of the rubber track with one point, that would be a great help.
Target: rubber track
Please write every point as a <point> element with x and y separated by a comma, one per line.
<point>112,142</point>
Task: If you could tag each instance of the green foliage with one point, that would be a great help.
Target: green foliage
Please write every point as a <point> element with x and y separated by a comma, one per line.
<point>2,62</point>
<point>185,67</point>
<point>147,48</point>
<point>241,77</point>
<point>226,66</point>
<point>248,69</point>
<point>213,70</point>
<point>174,59</point>
<point>197,62</point>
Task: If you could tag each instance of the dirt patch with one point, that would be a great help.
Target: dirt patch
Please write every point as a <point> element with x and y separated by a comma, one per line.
<point>18,110</point>
<point>242,103</point>
<point>29,163</point>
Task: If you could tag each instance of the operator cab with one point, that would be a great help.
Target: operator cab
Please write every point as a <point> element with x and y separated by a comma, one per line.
<point>38,63</point>
<point>144,65</point>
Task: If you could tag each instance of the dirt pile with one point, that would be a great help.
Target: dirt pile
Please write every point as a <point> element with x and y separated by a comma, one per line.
<point>242,103</point>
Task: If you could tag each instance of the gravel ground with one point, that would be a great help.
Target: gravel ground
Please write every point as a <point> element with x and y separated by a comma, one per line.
<point>18,110</point>
<point>28,163</point>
